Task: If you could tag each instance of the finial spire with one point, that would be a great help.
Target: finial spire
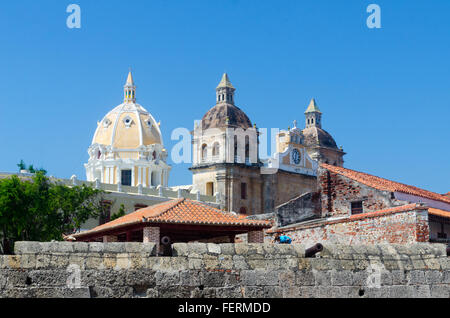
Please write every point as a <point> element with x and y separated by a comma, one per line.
<point>313,108</point>
<point>225,82</point>
<point>130,78</point>
<point>129,89</point>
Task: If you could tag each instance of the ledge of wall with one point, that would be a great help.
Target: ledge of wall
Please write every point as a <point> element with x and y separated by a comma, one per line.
<point>65,269</point>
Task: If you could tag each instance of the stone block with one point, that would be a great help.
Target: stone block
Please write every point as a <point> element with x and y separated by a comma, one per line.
<point>399,277</point>
<point>240,262</point>
<point>214,249</point>
<point>286,279</point>
<point>94,261</point>
<point>27,247</point>
<point>341,278</point>
<point>174,292</point>
<point>167,278</point>
<point>273,292</point>
<point>359,278</point>
<point>48,278</point>
<point>123,261</point>
<point>152,293</point>
<point>57,247</point>
<point>253,292</point>
<point>48,292</point>
<point>13,261</point>
<point>42,261</point>
<point>80,247</point>
<point>227,249</point>
<point>114,247</point>
<point>401,291</point>
<point>322,278</point>
<point>27,261</point>
<point>416,277</point>
<point>134,247</point>
<point>96,247</point>
<point>198,248</point>
<point>16,278</point>
<point>433,277</point>
<point>80,261</point>
<point>440,291</point>
<point>59,260</point>
<point>211,262</point>
<point>422,291</point>
<point>305,278</point>
<point>432,263</point>
<point>180,249</point>
<point>141,277</point>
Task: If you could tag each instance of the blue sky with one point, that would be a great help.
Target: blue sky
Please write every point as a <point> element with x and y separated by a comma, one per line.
<point>384,92</point>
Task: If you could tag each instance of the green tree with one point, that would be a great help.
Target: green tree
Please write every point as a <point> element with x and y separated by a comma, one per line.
<point>42,210</point>
<point>21,165</point>
<point>119,213</point>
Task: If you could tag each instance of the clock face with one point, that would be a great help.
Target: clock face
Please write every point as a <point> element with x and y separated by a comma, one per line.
<point>296,156</point>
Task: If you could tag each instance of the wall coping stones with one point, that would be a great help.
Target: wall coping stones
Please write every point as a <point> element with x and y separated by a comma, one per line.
<point>25,248</point>
<point>416,251</point>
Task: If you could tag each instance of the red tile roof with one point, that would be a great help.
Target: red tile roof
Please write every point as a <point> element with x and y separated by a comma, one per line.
<point>385,184</point>
<point>437,212</point>
<point>180,211</point>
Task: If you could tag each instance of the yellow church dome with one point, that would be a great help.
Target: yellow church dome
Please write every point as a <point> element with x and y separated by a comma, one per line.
<point>129,125</point>
<point>127,147</point>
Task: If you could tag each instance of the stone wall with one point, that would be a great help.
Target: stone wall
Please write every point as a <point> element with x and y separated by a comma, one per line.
<point>303,208</point>
<point>224,270</point>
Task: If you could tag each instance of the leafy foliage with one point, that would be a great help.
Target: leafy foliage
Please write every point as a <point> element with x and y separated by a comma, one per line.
<point>119,213</point>
<point>37,209</point>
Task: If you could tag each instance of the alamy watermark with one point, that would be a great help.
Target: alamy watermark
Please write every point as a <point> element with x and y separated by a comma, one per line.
<point>374,19</point>
<point>74,19</point>
<point>74,279</point>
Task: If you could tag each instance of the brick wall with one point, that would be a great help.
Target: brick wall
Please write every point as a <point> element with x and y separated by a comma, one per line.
<point>337,193</point>
<point>404,227</point>
<point>152,235</point>
<point>198,270</point>
<point>255,237</point>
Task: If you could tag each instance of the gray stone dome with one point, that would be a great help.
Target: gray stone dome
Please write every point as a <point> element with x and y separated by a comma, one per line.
<point>315,136</point>
<point>226,115</point>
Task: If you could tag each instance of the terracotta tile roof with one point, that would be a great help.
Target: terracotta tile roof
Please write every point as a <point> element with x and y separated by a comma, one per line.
<point>437,212</point>
<point>385,184</point>
<point>180,211</point>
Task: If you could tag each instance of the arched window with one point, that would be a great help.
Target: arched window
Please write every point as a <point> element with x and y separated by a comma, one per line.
<point>210,188</point>
<point>216,149</point>
<point>204,151</point>
<point>154,155</point>
<point>155,181</point>
<point>235,148</point>
<point>247,148</point>
<point>243,210</point>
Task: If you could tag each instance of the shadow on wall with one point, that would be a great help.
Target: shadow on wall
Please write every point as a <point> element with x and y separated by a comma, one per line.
<point>302,208</point>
